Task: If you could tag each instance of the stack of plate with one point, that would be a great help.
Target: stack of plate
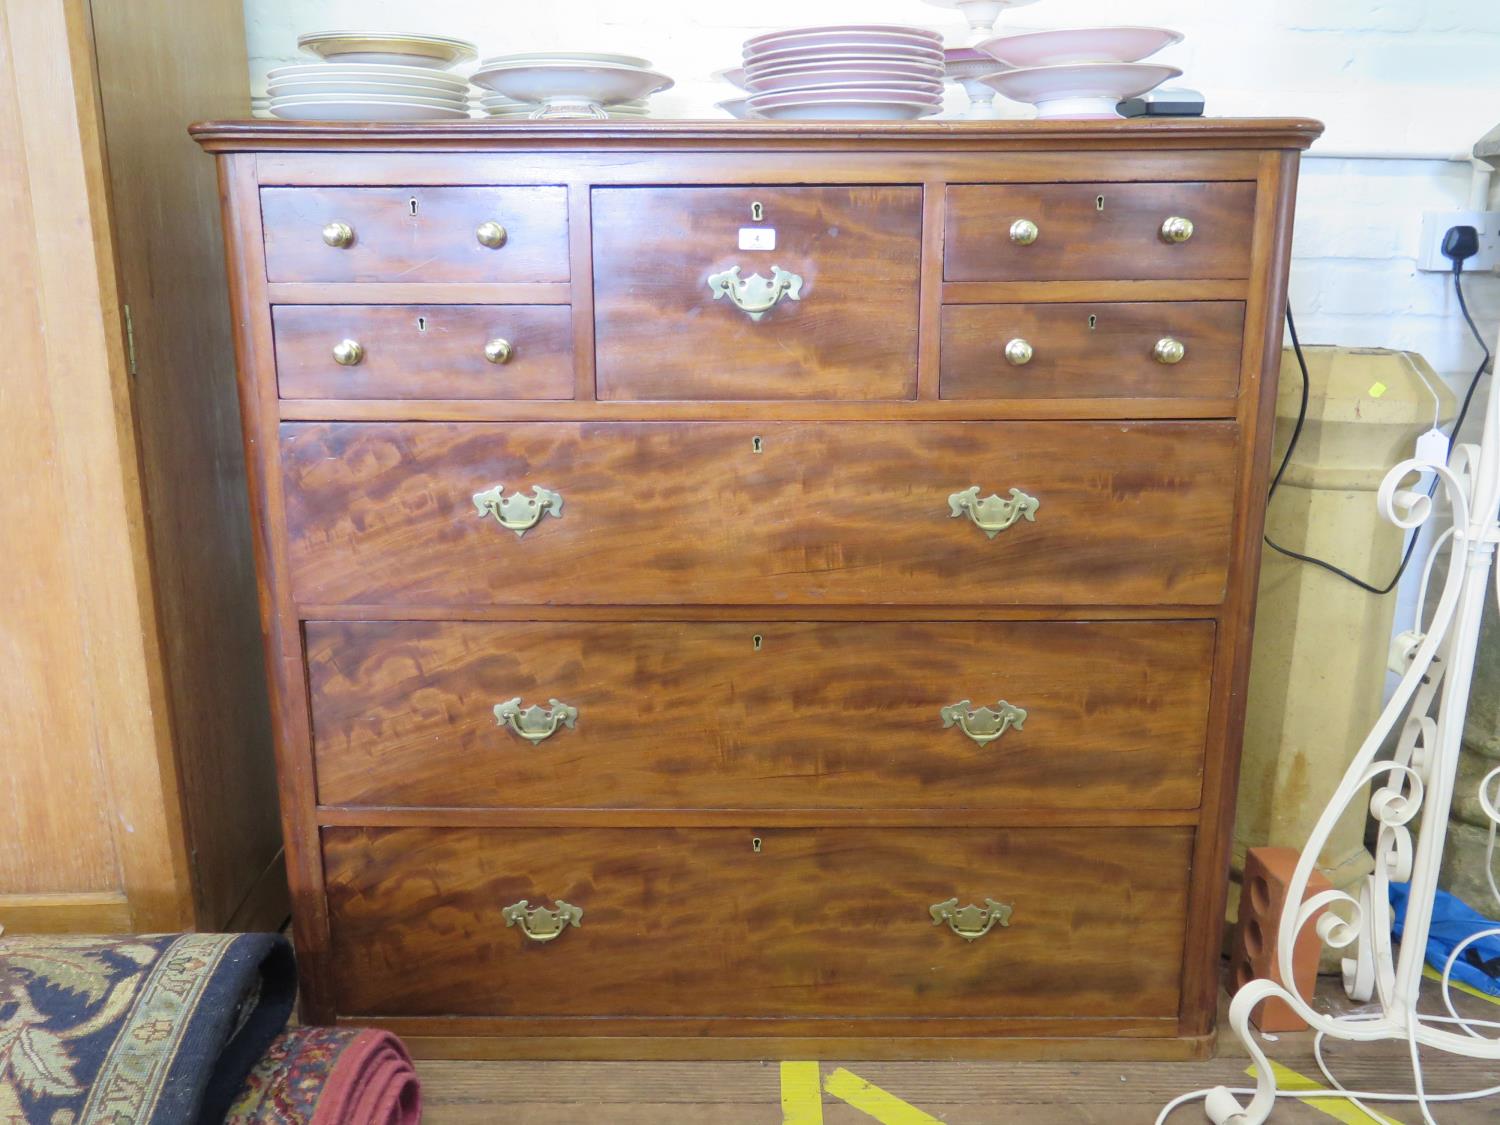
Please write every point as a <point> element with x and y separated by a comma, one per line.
<point>1084,72</point>
<point>851,72</point>
<point>550,84</point>
<point>367,76</point>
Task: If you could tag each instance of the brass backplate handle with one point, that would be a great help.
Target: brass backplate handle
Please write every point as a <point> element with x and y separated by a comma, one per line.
<point>518,512</point>
<point>992,515</point>
<point>756,295</point>
<point>535,724</point>
<point>971,922</point>
<point>983,724</point>
<point>540,924</point>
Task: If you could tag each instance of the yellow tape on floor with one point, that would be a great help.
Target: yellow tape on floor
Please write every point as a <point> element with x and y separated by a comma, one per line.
<point>1340,1109</point>
<point>801,1096</point>
<point>868,1098</point>
<point>1432,974</point>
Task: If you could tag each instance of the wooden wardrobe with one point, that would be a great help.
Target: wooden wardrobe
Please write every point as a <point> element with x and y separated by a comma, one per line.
<point>136,788</point>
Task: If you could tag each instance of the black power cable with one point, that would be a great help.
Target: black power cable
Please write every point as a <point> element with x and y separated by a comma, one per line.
<point>1286,458</point>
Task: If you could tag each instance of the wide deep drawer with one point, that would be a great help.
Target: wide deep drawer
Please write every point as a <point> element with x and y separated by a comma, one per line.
<point>424,351</point>
<point>417,234</point>
<point>845,329</point>
<point>1105,231</point>
<point>1142,349</point>
<point>789,715</point>
<point>653,513</point>
<point>816,922</point>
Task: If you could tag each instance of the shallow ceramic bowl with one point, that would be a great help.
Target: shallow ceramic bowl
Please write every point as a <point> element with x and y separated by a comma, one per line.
<point>820,82</point>
<point>1079,45</point>
<point>600,83</point>
<point>386,49</point>
<point>738,108</point>
<point>364,72</point>
<point>1079,89</point>
<point>567,57</point>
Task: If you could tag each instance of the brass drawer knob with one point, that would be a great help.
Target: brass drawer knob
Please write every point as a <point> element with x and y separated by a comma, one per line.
<point>1169,350</point>
<point>972,922</point>
<point>348,353</point>
<point>535,724</point>
<point>498,351</point>
<point>1023,232</point>
<point>518,512</point>
<point>339,235</point>
<point>490,234</point>
<point>540,924</point>
<point>992,515</point>
<point>1176,229</point>
<point>755,295</point>
<point>1018,352</point>
<point>983,724</point>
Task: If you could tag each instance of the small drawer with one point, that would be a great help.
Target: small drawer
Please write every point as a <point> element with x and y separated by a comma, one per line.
<point>1098,232</point>
<point>424,351</point>
<point>419,234</point>
<point>701,268</point>
<point>758,513</point>
<point>757,923</point>
<point>1149,349</point>
<point>765,715</point>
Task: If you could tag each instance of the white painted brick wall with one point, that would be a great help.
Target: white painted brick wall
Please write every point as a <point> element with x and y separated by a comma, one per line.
<point>1397,77</point>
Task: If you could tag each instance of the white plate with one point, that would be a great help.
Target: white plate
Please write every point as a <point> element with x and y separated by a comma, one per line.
<point>364,89</point>
<point>1079,89</point>
<point>921,68</point>
<point>853,109</point>
<point>738,108</point>
<point>734,75</point>
<point>601,83</point>
<point>843,93</point>
<point>388,49</point>
<point>366,72</point>
<point>566,57</point>
<point>822,36</point>
<point>1080,45</point>
<point>891,52</point>
<point>500,101</point>
<point>820,79</point>
<point>362,109</point>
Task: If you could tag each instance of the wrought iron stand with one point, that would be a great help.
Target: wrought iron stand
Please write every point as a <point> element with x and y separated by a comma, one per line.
<point>1430,705</point>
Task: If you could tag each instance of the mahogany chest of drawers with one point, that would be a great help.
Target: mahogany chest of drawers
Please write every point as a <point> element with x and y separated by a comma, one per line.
<point>738,589</point>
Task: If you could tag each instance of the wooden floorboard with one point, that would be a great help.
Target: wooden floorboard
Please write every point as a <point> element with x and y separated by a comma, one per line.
<point>957,1093</point>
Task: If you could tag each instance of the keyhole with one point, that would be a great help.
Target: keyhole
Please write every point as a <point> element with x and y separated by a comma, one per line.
<point>1093,322</point>
<point>756,445</point>
<point>1098,203</point>
<point>756,641</point>
<point>755,844</point>
<point>412,203</point>
<point>421,324</point>
<point>757,212</point>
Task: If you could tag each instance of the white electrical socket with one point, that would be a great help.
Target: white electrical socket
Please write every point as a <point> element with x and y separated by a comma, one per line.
<point>1435,225</point>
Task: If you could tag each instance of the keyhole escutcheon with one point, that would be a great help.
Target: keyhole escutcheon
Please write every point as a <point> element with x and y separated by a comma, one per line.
<point>757,212</point>
<point>756,445</point>
<point>755,844</point>
<point>412,204</point>
<point>1098,203</point>
<point>1093,322</point>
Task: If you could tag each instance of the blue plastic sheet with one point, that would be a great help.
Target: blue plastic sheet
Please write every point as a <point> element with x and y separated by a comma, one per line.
<point>1453,920</point>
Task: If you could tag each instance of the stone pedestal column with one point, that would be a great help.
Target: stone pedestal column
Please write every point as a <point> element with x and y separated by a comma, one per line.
<point>1318,671</point>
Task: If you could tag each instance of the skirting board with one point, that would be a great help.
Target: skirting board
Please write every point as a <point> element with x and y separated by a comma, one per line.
<point>105,912</point>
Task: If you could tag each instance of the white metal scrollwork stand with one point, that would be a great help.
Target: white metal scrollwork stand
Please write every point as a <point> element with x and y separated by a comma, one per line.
<point>1430,704</point>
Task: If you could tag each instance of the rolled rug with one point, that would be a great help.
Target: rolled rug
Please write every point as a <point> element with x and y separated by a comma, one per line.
<point>153,1030</point>
<point>331,1076</point>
